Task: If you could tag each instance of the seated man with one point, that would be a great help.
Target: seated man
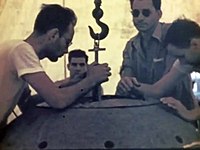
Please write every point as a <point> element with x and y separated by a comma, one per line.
<point>78,67</point>
<point>183,42</point>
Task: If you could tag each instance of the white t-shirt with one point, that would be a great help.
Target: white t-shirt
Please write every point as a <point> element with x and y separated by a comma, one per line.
<point>17,58</point>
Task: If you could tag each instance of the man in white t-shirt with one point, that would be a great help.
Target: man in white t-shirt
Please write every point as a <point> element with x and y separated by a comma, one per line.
<point>20,63</point>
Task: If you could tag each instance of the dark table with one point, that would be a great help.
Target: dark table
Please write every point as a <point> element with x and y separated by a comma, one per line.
<point>112,123</point>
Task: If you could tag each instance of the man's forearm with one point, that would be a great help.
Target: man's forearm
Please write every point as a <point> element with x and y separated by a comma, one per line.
<point>164,85</point>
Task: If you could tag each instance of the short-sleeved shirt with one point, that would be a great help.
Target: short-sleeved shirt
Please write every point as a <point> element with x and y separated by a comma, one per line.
<point>148,66</point>
<point>17,58</point>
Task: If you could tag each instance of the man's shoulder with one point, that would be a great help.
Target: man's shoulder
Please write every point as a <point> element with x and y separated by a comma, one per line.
<point>10,45</point>
<point>19,48</point>
<point>132,40</point>
<point>22,45</point>
<point>164,27</point>
<point>15,46</point>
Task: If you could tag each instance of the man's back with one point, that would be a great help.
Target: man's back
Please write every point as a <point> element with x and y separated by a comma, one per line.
<point>11,67</point>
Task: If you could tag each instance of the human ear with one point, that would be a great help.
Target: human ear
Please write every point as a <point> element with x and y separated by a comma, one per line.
<point>159,13</point>
<point>53,34</point>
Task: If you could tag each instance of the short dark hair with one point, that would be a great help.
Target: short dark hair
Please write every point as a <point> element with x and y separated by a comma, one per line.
<point>54,16</point>
<point>76,54</point>
<point>156,4</point>
<point>181,32</point>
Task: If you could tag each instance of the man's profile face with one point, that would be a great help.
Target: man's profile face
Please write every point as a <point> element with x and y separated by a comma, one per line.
<point>176,51</point>
<point>77,67</point>
<point>145,16</point>
<point>195,43</point>
<point>60,46</point>
<point>193,54</point>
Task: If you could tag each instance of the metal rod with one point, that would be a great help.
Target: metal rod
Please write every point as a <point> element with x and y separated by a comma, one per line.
<point>65,61</point>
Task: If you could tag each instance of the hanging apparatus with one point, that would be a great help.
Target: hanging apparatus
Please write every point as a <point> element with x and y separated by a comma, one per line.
<point>97,13</point>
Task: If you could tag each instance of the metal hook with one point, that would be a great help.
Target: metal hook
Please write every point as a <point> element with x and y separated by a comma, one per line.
<point>97,14</point>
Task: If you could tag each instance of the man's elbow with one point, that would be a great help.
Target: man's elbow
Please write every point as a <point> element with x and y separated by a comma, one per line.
<point>60,102</point>
<point>159,93</point>
<point>58,105</point>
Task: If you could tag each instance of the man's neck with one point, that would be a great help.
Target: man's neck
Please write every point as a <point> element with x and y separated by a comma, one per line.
<point>35,42</point>
<point>146,35</point>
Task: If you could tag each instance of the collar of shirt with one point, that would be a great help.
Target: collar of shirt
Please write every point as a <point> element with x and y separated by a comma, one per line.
<point>157,34</point>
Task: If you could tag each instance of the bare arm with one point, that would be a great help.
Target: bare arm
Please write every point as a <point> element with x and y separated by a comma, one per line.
<point>63,97</point>
<point>66,82</point>
<point>190,115</point>
<point>161,87</point>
